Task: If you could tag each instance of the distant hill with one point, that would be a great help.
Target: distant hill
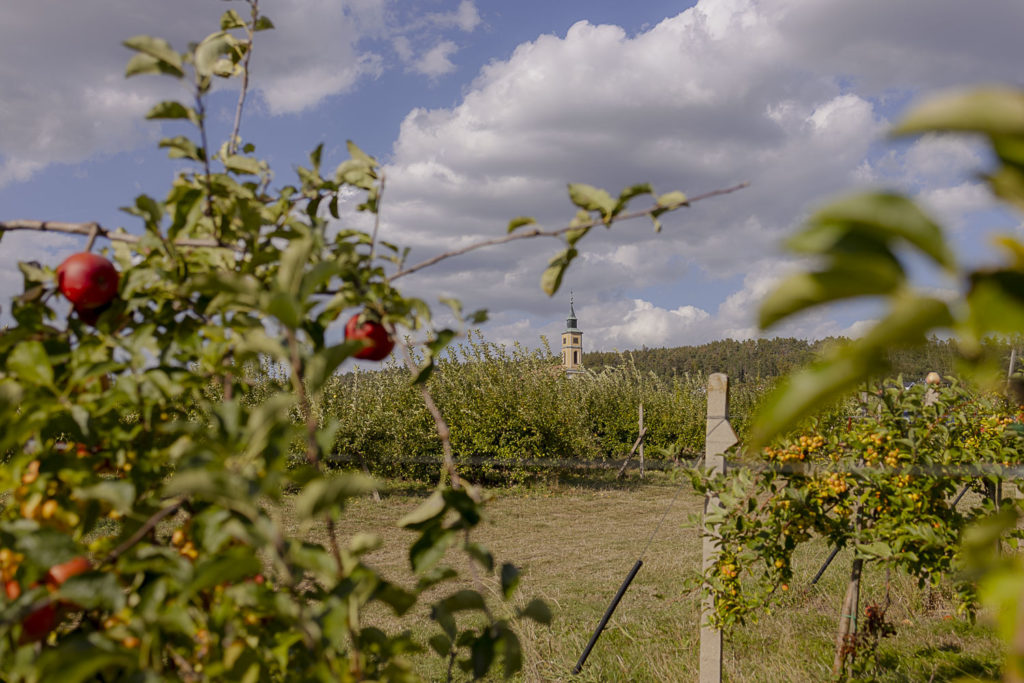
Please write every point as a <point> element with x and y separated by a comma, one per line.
<point>766,358</point>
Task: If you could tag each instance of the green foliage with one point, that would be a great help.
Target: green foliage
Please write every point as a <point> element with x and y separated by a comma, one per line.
<point>513,414</point>
<point>856,236</point>
<point>884,483</point>
<point>142,445</point>
<point>150,446</point>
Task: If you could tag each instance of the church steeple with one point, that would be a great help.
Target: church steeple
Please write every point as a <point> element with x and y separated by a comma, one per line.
<point>570,322</point>
<point>572,341</point>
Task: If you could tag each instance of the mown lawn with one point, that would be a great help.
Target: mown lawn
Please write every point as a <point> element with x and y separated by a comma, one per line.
<point>576,542</point>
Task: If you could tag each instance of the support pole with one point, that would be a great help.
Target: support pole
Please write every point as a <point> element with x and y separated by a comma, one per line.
<point>642,431</point>
<point>719,437</point>
<point>607,615</point>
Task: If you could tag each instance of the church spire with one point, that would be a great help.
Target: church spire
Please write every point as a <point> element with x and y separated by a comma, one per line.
<point>572,341</point>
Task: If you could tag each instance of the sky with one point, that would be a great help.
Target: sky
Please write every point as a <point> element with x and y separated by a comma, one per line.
<point>481,111</point>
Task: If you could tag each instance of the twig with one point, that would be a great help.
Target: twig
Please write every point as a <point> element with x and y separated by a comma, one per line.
<point>537,232</point>
<point>87,230</point>
<point>376,218</point>
<point>305,406</point>
<point>233,140</point>
<point>439,422</point>
<point>184,668</point>
<point>143,530</point>
<point>92,237</point>
<point>208,175</point>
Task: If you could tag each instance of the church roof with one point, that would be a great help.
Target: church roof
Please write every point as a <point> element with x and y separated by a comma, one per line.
<point>570,322</point>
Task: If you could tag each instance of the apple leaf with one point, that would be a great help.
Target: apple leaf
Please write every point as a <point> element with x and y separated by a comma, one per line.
<point>509,579</point>
<point>551,279</point>
<point>155,55</point>
<point>31,363</point>
<point>231,19</point>
<point>169,109</point>
<point>519,222</point>
<point>989,110</point>
<point>537,610</point>
<point>592,198</point>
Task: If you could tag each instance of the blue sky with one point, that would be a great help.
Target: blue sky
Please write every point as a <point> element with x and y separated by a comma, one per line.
<point>482,111</point>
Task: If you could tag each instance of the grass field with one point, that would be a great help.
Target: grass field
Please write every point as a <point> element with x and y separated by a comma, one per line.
<point>576,542</point>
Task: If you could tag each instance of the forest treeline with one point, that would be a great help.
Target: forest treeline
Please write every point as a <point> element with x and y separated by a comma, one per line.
<point>754,359</point>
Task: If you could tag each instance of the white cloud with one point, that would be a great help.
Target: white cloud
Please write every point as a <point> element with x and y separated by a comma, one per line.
<point>954,204</point>
<point>464,17</point>
<point>941,159</point>
<point>617,326</point>
<point>435,62</point>
<point>403,48</point>
<point>61,65</point>
<point>779,92</point>
<point>792,95</point>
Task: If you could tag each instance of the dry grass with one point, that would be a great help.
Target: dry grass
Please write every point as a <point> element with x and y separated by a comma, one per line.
<point>576,543</point>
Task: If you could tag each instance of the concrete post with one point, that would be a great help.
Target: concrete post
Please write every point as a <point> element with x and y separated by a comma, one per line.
<point>719,436</point>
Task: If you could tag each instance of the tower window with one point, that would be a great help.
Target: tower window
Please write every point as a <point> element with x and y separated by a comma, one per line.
<point>575,357</point>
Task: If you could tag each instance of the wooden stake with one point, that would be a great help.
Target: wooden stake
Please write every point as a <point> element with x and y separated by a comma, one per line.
<point>636,444</point>
<point>642,431</point>
<point>848,619</point>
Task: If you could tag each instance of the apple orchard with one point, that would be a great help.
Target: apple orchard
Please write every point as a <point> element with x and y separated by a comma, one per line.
<point>142,468</point>
<point>143,465</point>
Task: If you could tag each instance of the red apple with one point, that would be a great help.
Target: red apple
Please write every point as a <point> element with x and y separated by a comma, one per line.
<point>90,316</point>
<point>60,573</point>
<point>38,624</point>
<point>372,331</point>
<point>88,280</point>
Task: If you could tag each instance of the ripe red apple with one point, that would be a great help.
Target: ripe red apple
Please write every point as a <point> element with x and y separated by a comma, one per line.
<point>88,280</point>
<point>90,316</point>
<point>60,573</point>
<point>38,624</point>
<point>372,331</point>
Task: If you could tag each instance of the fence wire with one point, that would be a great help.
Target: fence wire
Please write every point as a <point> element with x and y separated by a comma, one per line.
<point>694,461</point>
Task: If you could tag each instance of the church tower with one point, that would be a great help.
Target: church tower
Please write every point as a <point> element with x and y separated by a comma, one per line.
<point>572,343</point>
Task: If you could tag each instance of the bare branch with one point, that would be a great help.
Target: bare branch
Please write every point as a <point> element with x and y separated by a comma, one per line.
<point>143,530</point>
<point>92,237</point>
<point>376,218</point>
<point>208,175</point>
<point>233,140</point>
<point>537,232</point>
<point>87,229</point>
<point>440,425</point>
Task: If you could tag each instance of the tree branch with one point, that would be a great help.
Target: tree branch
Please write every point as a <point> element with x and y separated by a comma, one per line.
<point>87,229</point>
<point>376,218</point>
<point>143,530</point>
<point>233,140</point>
<point>440,425</point>
<point>537,232</point>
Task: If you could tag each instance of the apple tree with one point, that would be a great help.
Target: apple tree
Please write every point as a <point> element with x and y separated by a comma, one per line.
<point>142,475</point>
<point>886,486</point>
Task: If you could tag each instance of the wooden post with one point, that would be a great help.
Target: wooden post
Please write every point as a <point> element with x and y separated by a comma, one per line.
<point>641,443</point>
<point>719,436</point>
<point>848,619</point>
